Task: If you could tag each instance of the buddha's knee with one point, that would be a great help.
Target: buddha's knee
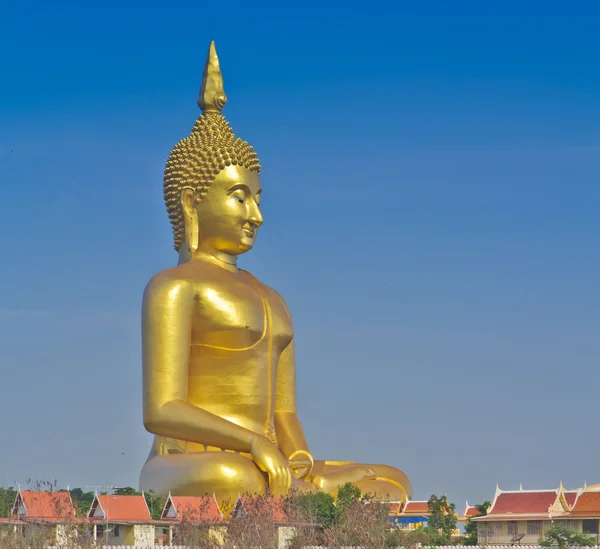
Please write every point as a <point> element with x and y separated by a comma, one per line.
<point>223,473</point>
<point>228,472</point>
<point>394,476</point>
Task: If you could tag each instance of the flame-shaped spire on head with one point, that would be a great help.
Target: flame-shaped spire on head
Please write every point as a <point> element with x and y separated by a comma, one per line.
<point>212,96</point>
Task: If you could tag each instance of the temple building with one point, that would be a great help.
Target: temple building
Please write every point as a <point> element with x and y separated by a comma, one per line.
<point>522,516</point>
<point>38,514</point>
<point>121,520</point>
<point>410,514</point>
<point>190,511</point>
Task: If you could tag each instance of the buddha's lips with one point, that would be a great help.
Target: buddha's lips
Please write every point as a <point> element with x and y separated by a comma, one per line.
<point>249,231</point>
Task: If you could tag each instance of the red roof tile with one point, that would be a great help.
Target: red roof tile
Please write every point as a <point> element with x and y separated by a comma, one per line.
<point>45,505</point>
<point>192,509</point>
<point>523,502</point>
<point>395,508</point>
<point>420,507</point>
<point>587,502</point>
<point>471,511</point>
<point>121,508</point>
<point>257,507</point>
<point>570,497</point>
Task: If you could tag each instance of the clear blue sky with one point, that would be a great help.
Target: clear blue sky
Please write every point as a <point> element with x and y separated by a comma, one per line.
<point>431,195</point>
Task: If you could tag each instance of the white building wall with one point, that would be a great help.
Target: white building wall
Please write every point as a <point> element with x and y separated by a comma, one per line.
<point>143,535</point>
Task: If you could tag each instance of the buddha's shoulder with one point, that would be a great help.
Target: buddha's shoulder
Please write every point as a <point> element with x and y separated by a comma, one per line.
<point>179,278</point>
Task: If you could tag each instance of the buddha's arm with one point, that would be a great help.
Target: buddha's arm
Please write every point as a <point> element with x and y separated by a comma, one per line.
<point>290,435</point>
<point>166,331</point>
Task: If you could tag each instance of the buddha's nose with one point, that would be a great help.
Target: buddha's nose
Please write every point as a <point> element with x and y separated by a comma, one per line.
<point>254,217</point>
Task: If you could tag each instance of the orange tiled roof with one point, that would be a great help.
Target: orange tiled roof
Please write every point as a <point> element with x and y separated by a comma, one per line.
<point>45,505</point>
<point>587,503</point>
<point>121,508</point>
<point>193,509</point>
<point>256,507</point>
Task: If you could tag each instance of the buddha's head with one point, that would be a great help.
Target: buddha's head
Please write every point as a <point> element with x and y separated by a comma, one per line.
<point>211,181</point>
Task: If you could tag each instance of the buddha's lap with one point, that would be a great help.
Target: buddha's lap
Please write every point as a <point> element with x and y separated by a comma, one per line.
<point>207,472</point>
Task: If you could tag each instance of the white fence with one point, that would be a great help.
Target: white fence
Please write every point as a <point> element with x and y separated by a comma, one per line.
<point>440,547</point>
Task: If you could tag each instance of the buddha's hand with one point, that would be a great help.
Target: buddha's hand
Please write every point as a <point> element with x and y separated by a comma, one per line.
<point>301,463</point>
<point>270,460</point>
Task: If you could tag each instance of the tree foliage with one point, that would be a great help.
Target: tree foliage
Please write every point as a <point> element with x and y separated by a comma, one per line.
<point>441,522</point>
<point>126,491</point>
<point>471,527</point>
<point>82,501</point>
<point>565,537</point>
<point>346,496</point>
<point>311,508</point>
<point>7,500</point>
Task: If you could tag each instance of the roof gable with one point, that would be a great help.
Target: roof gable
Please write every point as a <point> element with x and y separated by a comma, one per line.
<point>192,509</point>
<point>416,507</point>
<point>257,507</point>
<point>570,498</point>
<point>470,511</point>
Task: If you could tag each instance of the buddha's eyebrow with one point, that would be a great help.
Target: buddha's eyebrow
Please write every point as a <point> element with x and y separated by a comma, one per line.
<point>241,186</point>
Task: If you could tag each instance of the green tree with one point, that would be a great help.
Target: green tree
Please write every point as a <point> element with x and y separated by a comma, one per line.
<point>312,507</point>
<point>155,504</point>
<point>471,527</point>
<point>7,501</point>
<point>564,537</point>
<point>347,495</point>
<point>82,501</point>
<point>442,520</point>
<point>126,491</point>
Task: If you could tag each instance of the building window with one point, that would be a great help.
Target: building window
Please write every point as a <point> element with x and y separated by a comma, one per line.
<point>590,526</point>
<point>513,528</point>
<point>567,524</point>
<point>534,527</point>
<point>116,530</point>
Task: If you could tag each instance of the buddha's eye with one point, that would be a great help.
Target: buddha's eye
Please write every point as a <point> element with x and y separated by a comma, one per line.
<point>239,196</point>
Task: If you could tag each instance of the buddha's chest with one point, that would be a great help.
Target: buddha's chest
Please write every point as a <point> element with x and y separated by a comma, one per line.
<point>237,312</point>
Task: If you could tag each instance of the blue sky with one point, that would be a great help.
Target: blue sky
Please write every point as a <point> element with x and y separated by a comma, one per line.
<point>431,196</point>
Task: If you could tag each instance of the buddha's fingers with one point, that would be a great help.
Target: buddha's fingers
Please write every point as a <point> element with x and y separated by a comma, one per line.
<point>280,482</point>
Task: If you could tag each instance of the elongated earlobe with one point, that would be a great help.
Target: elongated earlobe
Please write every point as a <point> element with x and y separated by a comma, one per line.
<point>188,201</point>
<point>192,236</point>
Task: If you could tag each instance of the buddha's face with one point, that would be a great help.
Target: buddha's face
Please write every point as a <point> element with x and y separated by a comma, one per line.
<point>229,215</point>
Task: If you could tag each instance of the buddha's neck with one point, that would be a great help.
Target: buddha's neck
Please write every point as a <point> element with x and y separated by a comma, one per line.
<point>227,261</point>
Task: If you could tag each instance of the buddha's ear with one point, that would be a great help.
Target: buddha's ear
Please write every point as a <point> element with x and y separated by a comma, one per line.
<point>188,200</point>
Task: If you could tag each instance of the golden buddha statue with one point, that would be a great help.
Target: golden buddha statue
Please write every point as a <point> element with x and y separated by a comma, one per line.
<point>218,344</point>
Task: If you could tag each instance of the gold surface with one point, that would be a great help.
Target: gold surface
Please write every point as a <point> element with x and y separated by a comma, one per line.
<point>219,372</point>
